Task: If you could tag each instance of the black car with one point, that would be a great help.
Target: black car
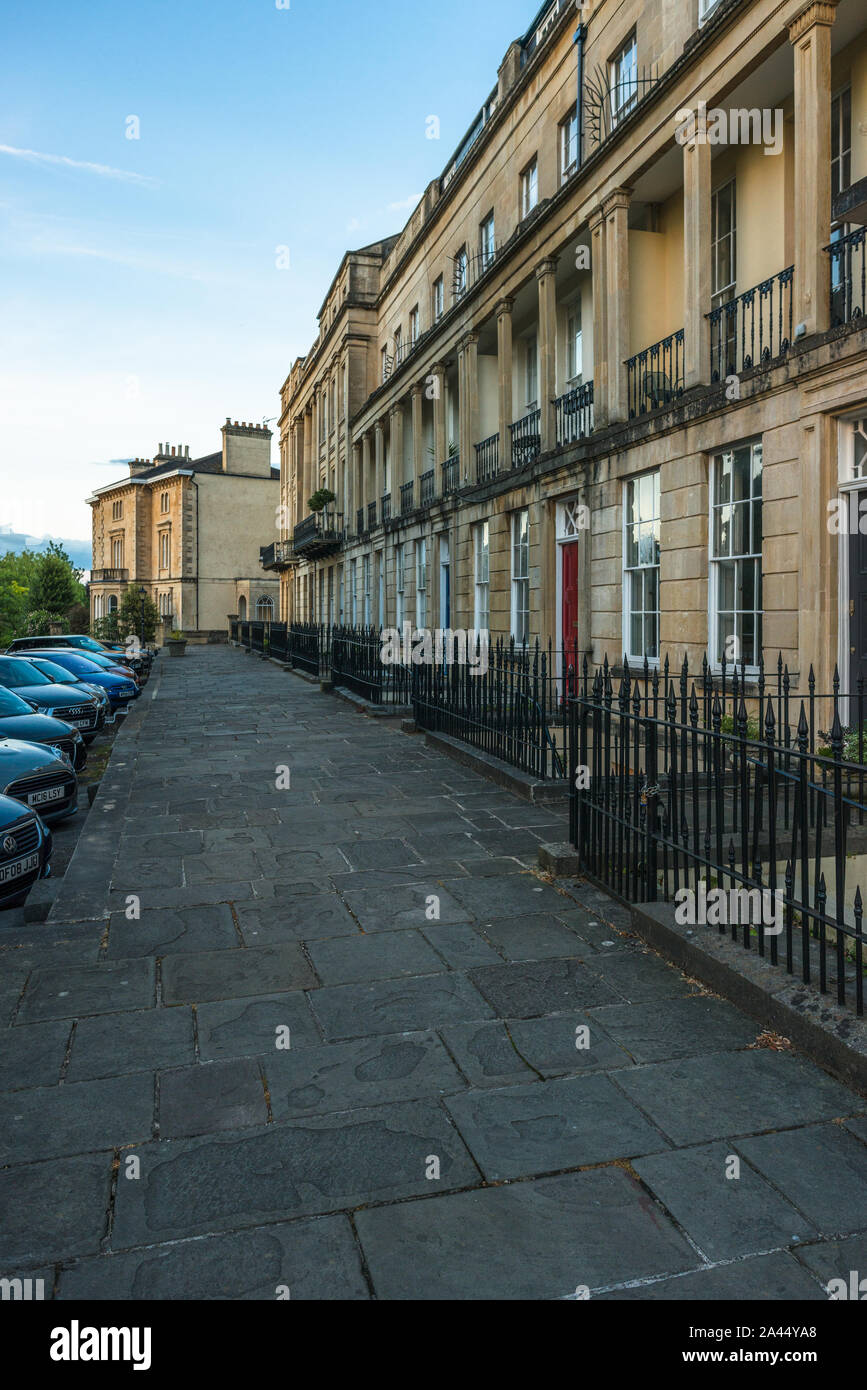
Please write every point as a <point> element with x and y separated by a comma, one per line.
<point>61,701</point>
<point>76,641</point>
<point>42,780</point>
<point>25,851</point>
<point>79,683</point>
<point>18,721</point>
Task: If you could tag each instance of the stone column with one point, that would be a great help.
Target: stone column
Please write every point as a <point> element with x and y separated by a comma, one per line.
<point>366,469</point>
<point>810,34</point>
<point>545,276</point>
<point>379,476</point>
<point>598,263</point>
<point>307,470</point>
<point>504,375</point>
<point>696,259</point>
<point>469,408</point>
<point>396,429</point>
<point>438,373</point>
<point>418,459</point>
<point>616,208</point>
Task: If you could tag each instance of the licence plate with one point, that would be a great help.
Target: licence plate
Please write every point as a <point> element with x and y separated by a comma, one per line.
<point>80,723</point>
<point>50,794</point>
<point>18,868</point>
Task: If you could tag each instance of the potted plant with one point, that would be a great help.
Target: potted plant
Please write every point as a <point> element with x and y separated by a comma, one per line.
<point>322,499</point>
<point>177,644</point>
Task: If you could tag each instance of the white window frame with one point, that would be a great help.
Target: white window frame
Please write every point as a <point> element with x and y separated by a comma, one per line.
<point>623,79</point>
<point>413,326</point>
<point>568,137</point>
<point>531,373</point>
<point>706,9</point>
<point>715,562</point>
<point>487,241</point>
<point>365,590</point>
<point>520,586</point>
<point>439,298</point>
<point>421,584</point>
<point>399,591</point>
<point>462,271</point>
<point>482,576</point>
<point>353,592</point>
<point>845,140</point>
<point>380,588</point>
<point>720,293</point>
<point>530,187</point>
<point>574,342</point>
<point>631,572</point>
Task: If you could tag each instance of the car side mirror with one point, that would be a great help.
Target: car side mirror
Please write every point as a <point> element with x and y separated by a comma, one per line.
<point>32,705</point>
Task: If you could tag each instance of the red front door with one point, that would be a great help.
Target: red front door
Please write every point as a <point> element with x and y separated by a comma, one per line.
<point>569,603</point>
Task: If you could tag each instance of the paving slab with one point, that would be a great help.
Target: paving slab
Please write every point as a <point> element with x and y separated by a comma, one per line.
<point>56,1121</point>
<point>822,1169</point>
<point>163,931</point>
<point>53,1210</point>
<point>247,1027</point>
<point>384,956</point>
<point>542,987</point>
<point>396,1006</point>
<point>204,975</point>
<point>299,1260</point>
<point>33,1056</point>
<point>373,1071</point>
<point>211,1096</point>
<point>114,1044</point>
<point>107,988</point>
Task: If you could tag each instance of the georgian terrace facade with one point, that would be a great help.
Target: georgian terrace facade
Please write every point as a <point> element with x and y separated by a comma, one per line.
<point>605,384</point>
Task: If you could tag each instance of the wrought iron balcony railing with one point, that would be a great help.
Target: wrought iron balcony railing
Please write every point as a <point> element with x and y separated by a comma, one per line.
<point>655,375</point>
<point>451,471</point>
<point>386,508</point>
<point>321,533</point>
<point>526,438</point>
<point>753,330</point>
<point>848,277</point>
<point>428,487</point>
<point>488,459</point>
<point>575,414</point>
<point>371,516</point>
<point>406,498</point>
<point>359,521</point>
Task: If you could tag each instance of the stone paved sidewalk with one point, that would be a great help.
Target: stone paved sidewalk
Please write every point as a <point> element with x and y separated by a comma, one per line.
<point>433,1130</point>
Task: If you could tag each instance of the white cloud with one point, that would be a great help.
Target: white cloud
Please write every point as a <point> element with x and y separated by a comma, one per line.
<point>103,170</point>
<point>407,205</point>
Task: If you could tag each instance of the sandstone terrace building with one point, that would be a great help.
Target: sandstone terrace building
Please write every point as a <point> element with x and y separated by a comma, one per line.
<point>604,384</point>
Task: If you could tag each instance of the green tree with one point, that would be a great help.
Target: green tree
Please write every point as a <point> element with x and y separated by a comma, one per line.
<point>130,616</point>
<point>56,584</point>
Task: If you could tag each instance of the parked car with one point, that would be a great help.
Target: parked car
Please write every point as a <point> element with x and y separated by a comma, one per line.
<point>118,686</point>
<point>25,851</point>
<point>65,677</point>
<point>77,641</point>
<point>42,780</point>
<point>18,721</point>
<point>58,701</point>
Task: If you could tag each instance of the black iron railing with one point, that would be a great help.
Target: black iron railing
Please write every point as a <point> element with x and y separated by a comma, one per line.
<point>406,498</point>
<point>575,414</point>
<point>386,508</point>
<point>655,375</point>
<point>685,786</point>
<point>428,487</point>
<point>371,516</point>
<point>512,708</point>
<point>753,330</point>
<point>848,277</point>
<point>488,459</point>
<point>526,438</point>
<point>359,521</point>
<point>451,471</point>
<point>357,664</point>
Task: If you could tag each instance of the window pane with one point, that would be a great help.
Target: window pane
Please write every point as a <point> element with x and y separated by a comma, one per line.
<point>721,531</point>
<point>723,478</point>
<point>726,595</point>
<point>742,474</point>
<point>636,635</point>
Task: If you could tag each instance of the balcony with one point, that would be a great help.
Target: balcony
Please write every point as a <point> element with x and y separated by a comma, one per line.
<point>526,439</point>
<point>848,277</point>
<point>428,487</point>
<point>359,522</point>
<point>753,330</point>
<point>386,508</point>
<point>319,534</point>
<point>277,556</point>
<point>371,516</point>
<point>655,375</point>
<point>574,414</point>
<point>451,471</point>
<point>488,459</point>
<point>109,576</point>
<point>407,493</point>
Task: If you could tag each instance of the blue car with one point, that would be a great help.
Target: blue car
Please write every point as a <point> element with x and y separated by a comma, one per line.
<point>44,781</point>
<point>119,689</point>
<point>61,677</point>
<point>19,721</point>
<point>25,851</point>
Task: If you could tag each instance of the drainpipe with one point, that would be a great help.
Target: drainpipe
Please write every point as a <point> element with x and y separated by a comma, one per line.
<point>196,486</point>
<point>580,40</point>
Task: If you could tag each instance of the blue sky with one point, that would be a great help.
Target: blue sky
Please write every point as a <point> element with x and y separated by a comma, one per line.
<point>140,298</point>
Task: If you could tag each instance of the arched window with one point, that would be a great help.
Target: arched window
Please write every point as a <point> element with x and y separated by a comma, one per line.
<point>264,610</point>
<point>112,603</point>
<point>242,609</point>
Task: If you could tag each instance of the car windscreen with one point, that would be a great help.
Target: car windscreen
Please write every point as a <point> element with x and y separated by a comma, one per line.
<point>53,671</point>
<point>73,662</point>
<point>12,704</point>
<point>14,671</point>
